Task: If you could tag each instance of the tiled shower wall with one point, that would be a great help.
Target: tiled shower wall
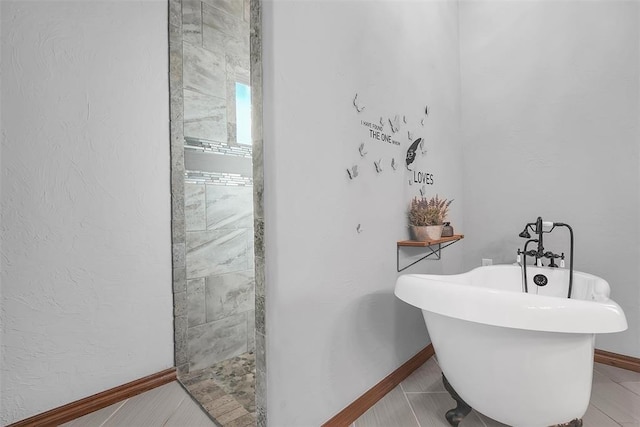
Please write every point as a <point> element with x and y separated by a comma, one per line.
<point>220,275</point>
<point>218,218</point>
<point>216,56</point>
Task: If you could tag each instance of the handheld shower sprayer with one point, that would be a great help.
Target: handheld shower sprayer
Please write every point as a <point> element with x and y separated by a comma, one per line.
<point>539,227</point>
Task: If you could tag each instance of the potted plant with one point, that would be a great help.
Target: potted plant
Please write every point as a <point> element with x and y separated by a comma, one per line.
<point>426,217</point>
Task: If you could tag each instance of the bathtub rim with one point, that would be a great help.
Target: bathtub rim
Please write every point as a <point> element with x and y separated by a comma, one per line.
<point>445,295</point>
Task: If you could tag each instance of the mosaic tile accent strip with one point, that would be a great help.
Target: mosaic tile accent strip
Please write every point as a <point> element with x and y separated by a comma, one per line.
<point>219,147</point>
<point>217,178</point>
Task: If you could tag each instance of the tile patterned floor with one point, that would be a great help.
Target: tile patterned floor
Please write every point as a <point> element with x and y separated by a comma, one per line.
<point>419,401</point>
<point>169,405</point>
<point>226,390</point>
<point>422,401</point>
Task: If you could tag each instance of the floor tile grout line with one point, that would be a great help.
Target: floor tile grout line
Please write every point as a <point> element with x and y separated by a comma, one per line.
<point>406,398</point>
<point>627,388</point>
<point>605,414</point>
<point>174,411</point>
<point>425,392</point>
<point>114,412</point>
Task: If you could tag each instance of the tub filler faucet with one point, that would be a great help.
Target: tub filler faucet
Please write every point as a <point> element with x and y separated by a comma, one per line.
<point>540,227</point>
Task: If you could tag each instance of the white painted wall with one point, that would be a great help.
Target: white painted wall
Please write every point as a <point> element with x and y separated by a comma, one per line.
<point>550,118</point>
<point>86,264</point>
<point>334,327</point>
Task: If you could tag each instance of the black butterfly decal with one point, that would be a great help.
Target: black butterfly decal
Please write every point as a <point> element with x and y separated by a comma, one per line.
<point>378,165</point>
<point>353,172</point>
<point>404,119</point>
<point>409,135</point>
<point>355,104</point>
<point>411,152</point>
<point>423,190</point>
<point>426,114</point>
<point>381,122</point>
<point>395,124</point>
<point>361,150</point>
<point>394,166</point>
<point>359,228</point>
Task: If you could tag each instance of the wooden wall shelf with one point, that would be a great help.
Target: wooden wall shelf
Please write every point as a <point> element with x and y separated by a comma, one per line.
<point>440,243</point>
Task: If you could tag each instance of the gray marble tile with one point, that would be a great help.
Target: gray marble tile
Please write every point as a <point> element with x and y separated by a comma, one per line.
<point>198,105</point>
<point>236,52</point>
<point>180,279</point>
<point>208,128</point>
<point>177,215</point>
<point>180,304</point>
<point>261,381</point>
<point>195,214</point>
<point>205,116</point>
<point>232,7</point>
<point>216,252</point>
<point>235,48</point>
<point>251,330</point>
<point>250,249</point>
<point>260,314</point>
<point>180,340</point>
<point>178,255</point>
<point>231,25</point>
<point>196,302</point>
<point>175,12</point>
<point>229,294</point>
<point>258,180</point>
<point>247,10</point>
<point>258,237</point>
<point>192,21</point>
<point>215,341</point>
<point>204,70</point>
<point>229,207</point>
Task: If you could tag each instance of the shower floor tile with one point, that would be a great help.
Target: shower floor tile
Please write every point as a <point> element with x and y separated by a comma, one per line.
<point>226,390</point>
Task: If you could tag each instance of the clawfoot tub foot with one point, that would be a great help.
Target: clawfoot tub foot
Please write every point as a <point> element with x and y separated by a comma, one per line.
<point>573,423</point>
<point>456,415</point>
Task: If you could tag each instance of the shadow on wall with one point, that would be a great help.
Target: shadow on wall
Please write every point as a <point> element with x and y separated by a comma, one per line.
<point>367,329</point>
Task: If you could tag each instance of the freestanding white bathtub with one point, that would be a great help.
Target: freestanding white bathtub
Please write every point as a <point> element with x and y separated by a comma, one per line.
<point>524,359</point>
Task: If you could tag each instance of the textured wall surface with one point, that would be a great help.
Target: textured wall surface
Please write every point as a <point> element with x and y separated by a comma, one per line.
<point>550,117</point>
<point>334,327</point>
<point>86,262</point>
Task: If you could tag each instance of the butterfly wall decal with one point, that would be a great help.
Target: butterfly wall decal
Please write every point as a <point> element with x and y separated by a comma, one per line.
<point>353,172</point>
<point>356,105</point>
<point>411,152</point>
<point>378,165</point>
<point>361,150</point>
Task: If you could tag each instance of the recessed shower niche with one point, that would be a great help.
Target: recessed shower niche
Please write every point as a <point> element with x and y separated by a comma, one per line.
<point>214,279</point>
